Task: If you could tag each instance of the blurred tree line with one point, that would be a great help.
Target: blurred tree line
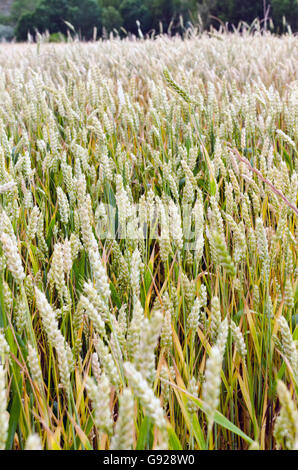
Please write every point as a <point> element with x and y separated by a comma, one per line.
<point>149,16</point>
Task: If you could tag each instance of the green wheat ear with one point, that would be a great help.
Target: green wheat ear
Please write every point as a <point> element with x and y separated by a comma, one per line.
<point>184,95</point>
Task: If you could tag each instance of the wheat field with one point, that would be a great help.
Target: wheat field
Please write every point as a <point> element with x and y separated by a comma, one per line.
<point>148,276</point>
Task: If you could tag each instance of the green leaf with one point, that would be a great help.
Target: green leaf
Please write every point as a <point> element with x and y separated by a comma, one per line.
<point>197,430</point>
<point>114,296</point>
<point>3,320</point>
<point>221,419</point>
<point>14,414</point>
<point>212,187</point>
<point>145,434</point>
<point>174,442</point>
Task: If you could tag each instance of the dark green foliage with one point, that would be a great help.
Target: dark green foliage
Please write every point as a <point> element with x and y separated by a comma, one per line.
<point>111,18</point>
<point>20,7</point>
<point>287,8</point>
<point>49,15</point>
<point>84,15</point>
<point>133,10</point>
<point>165,11</point>
<point>234,11</point>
